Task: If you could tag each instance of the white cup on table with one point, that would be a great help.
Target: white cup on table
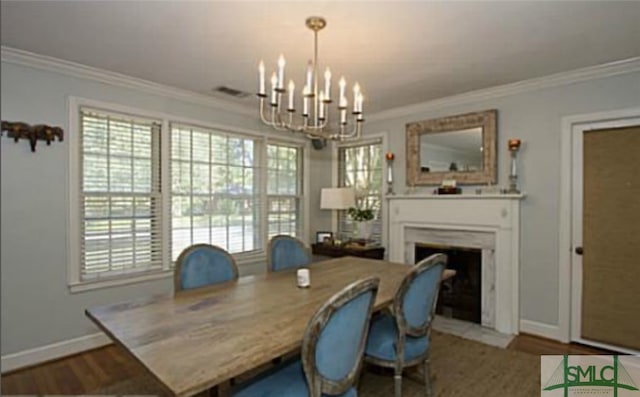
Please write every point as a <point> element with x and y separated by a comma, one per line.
<point>304,278</point>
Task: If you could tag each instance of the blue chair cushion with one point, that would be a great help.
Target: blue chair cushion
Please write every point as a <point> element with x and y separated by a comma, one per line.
<point>381,343</point>
<point>418,298</point>
<point>287,254</point>
<point>285,380</point>
<point>340,339</point>
<point>205,266</point>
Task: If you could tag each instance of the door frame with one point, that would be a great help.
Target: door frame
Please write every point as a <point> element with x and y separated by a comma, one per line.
<point>569,294</point>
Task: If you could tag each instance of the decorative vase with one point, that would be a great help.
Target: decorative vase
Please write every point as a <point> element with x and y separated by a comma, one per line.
<point>364,229</point>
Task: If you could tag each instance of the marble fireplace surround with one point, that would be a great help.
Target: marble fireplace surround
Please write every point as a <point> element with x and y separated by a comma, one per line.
<point>490,223</point>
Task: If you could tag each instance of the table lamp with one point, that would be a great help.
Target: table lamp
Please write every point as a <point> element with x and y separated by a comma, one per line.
<point>337,198</point>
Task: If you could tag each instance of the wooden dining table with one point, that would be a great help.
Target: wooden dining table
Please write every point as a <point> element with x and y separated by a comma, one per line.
<point>196,339</point>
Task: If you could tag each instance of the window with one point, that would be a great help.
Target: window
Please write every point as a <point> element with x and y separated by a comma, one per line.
<point>215,190</point>
<point>143,188</point>
<point>120,201</point>
<point>284,190</point>
<point>360,167</point>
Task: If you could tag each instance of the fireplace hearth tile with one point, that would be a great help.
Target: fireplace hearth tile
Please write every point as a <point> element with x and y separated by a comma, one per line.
<point>468,330</point>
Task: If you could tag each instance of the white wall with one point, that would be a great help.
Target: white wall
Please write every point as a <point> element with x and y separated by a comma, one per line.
<point>535,117</point>
<point>37,307</point>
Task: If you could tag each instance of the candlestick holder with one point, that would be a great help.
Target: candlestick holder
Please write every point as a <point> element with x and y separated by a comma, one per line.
<point>514,146</point>
<point>390,157</point>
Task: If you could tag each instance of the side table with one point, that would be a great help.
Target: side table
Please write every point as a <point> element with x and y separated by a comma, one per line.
<point>337,251</point>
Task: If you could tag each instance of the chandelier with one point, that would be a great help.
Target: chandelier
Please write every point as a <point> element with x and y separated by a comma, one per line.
<point>314,120</point>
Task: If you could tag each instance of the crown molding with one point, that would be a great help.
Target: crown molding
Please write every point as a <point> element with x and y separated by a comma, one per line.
<point>43,62</point>
<point>564,78</point>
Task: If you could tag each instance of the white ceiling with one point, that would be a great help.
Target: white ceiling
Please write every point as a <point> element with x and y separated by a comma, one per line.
<point>401,52</point>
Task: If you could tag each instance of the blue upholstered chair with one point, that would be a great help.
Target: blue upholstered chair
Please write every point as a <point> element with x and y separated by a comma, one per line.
<point>203,264</point>
<point>286,252</point>
<point>332,350</point>
<point>402,338</point>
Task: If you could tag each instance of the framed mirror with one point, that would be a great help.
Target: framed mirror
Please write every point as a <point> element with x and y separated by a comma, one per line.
<point>461,147</point>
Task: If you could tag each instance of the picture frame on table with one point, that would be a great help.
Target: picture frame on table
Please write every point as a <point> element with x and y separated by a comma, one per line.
<point>324,237</point>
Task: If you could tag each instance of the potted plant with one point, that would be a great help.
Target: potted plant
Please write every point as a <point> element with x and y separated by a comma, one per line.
<point>363,218</point>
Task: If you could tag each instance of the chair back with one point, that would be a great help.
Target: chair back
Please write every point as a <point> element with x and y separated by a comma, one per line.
<point>416,298</point>
<point>335,337</point>
<point>203,264</point>
<point>286,252</point>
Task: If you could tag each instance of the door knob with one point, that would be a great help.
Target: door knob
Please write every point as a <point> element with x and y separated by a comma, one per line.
<point>579,250</point>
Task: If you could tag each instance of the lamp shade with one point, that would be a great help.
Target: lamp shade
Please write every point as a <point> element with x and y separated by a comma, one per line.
<point>337,198</point>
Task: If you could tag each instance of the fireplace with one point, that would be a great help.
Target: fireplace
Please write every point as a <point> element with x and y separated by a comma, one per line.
<point>477,225</point>
<point>460,296</point>
<point>481,242</point>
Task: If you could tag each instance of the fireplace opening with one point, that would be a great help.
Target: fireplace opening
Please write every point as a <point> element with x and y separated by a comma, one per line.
<point>461,296</point>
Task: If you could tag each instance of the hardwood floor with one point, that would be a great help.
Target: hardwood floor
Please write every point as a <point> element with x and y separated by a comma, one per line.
<point>78,374</point>
<point>542,346</point>
<point>87,372</point>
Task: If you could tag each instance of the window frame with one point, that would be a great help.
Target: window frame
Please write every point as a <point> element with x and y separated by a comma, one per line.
<point>380,138</point>
<point>74,216</point>
<point>300,195</point>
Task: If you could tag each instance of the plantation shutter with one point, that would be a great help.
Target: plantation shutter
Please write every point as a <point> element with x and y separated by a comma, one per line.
<point>121,225</point>
<point>215,190</point>
<point>360,167</point>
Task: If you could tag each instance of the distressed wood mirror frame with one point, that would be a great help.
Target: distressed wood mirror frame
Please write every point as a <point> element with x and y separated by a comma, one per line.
<point>486,119</point>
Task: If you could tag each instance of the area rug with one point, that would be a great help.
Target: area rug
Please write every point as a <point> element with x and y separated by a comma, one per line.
<point>459,368</point>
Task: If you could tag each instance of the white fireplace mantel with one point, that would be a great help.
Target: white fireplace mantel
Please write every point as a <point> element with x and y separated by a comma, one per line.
<point>488,222</point>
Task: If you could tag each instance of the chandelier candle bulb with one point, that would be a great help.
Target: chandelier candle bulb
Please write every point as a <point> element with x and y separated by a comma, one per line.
<point>356,96</point>
<point>327,85</point>
<point>261,90</point>
<point>343,115</point>
<point>274,87</point>
<point>343,86</point>
<point>321,107</point>
<point>292,88</point>
<point>281,63</point>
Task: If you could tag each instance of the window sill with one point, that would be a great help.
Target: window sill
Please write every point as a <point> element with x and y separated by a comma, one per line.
<point>83,286</point>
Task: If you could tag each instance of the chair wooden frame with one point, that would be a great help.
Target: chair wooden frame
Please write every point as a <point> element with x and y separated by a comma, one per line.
<point>284,237</point>
<point>177,280</point>
<point>405,329</point>
<point>319,385</point>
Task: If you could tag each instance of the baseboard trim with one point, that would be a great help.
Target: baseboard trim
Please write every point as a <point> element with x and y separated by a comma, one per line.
<point>544,330</point>
<point>38,355</point>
